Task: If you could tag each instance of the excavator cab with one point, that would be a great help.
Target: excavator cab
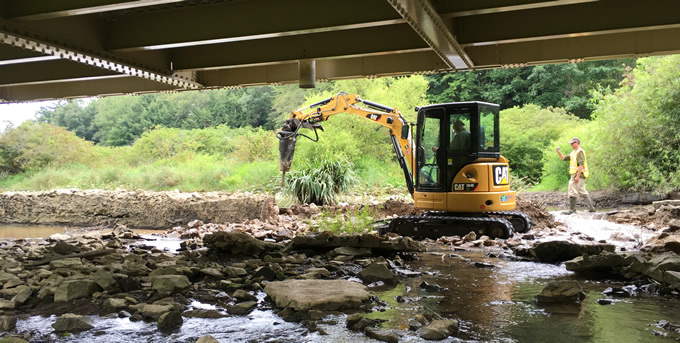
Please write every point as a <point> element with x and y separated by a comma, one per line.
<point>451,136</point>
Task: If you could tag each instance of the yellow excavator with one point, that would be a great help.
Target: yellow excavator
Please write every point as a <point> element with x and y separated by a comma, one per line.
<point>454,171</point>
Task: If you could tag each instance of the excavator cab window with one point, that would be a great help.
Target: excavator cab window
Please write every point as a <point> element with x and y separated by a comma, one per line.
<point>428,141</point>
<point>451,136</point>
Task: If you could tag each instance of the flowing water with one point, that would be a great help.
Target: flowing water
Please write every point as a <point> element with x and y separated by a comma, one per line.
<point>493,301</point>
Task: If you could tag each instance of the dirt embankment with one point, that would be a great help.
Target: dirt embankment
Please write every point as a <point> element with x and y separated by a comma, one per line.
<point>140,209</point>
<point>604,199</point>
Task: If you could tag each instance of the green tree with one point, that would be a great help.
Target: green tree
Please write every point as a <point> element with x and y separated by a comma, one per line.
<point>554,85</point>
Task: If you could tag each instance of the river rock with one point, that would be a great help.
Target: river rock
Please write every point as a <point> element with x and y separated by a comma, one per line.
<point>561,292</point>
<point>7,323</point>
<point>75,289</point>
<point>170,321</point>
<point>104,279</point>
<point>350,251</point>
<point>70,322</point>
<point>559,251</point>
<point>152,311</point>
<point>325,295</point>
<point>242,308</point>
<point>207,339</point>
<point>658,204</point>
<point>67,263</point>
<point>234,243</point>
<point>242,295</point>
<point>327,240</point>
<point>234,272</point>
<point>10,339</point>
<point>357,322</point>
<point>439,329</point>
<point>212,272</point>
<point>605,261</point>
<point>377,272</point>
<point>134,208</point>
<point>167,285</point>
<point>658,267</point>
<point>664,242</point>
<point>382,335</point>
<point>113,305</point>
<point>23,294</point>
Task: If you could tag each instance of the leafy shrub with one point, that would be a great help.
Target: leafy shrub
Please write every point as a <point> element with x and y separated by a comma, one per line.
<point>33,146</point>
<point>526,132</point>
<point>321,182</point>
<point>633,143</point>
<point>256,145</point>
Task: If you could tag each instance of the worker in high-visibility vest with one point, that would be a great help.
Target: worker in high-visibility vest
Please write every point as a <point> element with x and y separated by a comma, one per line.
<point>578,172</point>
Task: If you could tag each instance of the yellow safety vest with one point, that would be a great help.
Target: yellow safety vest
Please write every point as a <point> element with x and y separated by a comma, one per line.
<point>573,165</point>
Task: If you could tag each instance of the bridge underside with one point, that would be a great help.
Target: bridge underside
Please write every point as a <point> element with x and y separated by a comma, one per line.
<point>81,48</point>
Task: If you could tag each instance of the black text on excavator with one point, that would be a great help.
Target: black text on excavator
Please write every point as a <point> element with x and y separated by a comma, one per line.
<point>454,171</point>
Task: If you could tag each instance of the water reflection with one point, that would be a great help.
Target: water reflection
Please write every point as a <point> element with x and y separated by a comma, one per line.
<point>13,231</point>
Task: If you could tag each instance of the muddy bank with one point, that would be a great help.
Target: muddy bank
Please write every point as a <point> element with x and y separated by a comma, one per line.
<point>141,209</point>
<point>604,199</point>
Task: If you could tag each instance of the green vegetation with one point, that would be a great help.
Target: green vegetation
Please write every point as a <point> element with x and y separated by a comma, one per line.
<point>627,119</point>
<point>554,85</point>
<point>356,221</point>
<point>523,141</point>
<point>634,139</point>
<point>320,182</point>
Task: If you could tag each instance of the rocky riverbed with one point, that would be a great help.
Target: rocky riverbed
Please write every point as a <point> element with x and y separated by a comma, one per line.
<point>282,279</point>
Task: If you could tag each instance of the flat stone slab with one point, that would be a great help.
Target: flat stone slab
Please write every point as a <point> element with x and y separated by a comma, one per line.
<point>658,204</point>
<point>325,295</point>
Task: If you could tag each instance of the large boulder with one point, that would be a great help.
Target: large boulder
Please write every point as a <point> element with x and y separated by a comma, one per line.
<point>605,261</point>
<point>377,272</point>
<point>167,285</point>
<point>70,322</point>
<point>439,329</point>
<point>560,251</point>
<point>75,289</point>
<point>325,295</point>
<point>561,292</point>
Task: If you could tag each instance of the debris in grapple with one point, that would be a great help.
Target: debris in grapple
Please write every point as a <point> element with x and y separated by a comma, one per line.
<point>287,140</point>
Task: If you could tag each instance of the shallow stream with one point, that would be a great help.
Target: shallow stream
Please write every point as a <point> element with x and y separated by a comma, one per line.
<point>493,299</point>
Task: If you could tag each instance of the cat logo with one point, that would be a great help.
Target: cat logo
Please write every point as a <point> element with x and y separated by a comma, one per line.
<point>500,175</point>
<point>375,117</point>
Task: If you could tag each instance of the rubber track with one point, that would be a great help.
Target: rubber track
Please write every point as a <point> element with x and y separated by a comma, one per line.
<point>524,216</point>
<point>462,220</point>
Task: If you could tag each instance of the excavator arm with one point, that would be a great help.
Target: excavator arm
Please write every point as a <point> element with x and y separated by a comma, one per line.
<point>310,117</point>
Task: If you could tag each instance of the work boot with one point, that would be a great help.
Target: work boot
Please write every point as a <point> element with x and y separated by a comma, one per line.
<point>591,206</point>
<point>572,206</point>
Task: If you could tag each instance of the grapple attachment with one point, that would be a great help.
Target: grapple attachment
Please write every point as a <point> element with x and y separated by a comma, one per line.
<point>287,140</point>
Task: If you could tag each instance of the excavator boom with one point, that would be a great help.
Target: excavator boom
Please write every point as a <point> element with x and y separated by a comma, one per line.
<point>310,117</point>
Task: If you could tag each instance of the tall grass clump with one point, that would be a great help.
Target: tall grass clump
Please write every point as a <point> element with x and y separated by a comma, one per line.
<point>320,182</point>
